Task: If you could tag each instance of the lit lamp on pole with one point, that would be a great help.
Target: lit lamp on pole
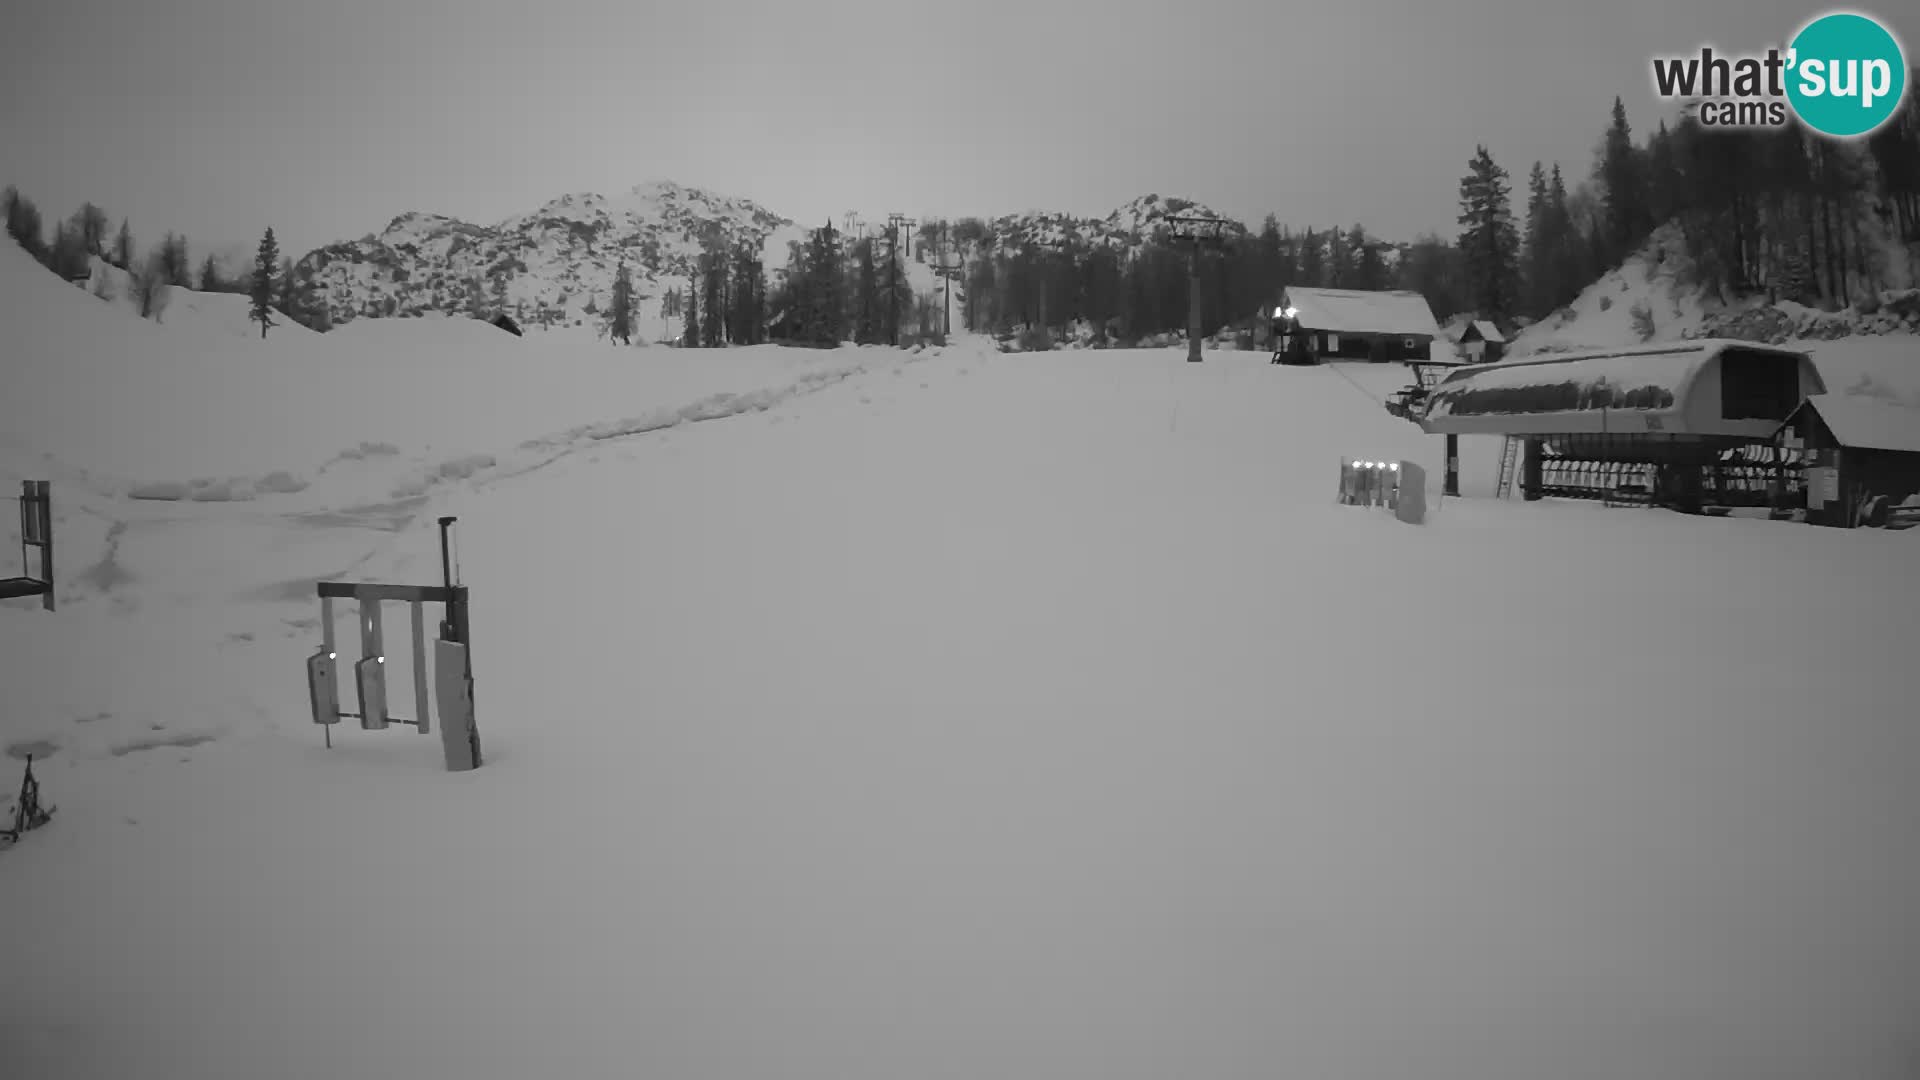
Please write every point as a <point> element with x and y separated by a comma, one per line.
<point>1283,328</point>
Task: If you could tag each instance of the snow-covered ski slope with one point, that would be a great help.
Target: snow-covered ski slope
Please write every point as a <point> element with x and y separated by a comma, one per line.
<point>874,715</point>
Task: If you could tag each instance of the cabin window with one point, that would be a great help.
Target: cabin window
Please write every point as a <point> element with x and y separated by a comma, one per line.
<point>1333,343</point>
<point>1758,385</point>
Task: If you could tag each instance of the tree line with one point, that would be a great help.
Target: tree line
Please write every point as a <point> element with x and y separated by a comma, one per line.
<point>1769,211</point>
<point>1773,212</point>
<point>829,292</point>
<point>77,240</point>
<point>834,290</point>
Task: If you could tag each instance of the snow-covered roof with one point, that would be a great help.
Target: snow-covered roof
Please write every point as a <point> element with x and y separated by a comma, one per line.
<point>1568,393</point>
<point>1868,423</point>
<point>1612,380</point>
<point>1350,311</point>
<point>1643,388</point>
<point>1486,330</point>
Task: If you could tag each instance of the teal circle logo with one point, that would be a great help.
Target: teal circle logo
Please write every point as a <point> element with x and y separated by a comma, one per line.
<point>1846,74</point>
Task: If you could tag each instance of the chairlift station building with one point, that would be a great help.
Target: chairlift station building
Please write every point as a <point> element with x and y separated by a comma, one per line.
<point>1699,426</point>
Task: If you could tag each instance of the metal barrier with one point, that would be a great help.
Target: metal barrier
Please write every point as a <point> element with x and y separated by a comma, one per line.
<point>452,667</point>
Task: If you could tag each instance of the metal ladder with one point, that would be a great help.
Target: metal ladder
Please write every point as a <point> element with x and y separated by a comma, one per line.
<point>1509,456</point>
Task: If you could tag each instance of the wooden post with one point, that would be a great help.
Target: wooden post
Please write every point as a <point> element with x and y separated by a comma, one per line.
<point>1453,466</point>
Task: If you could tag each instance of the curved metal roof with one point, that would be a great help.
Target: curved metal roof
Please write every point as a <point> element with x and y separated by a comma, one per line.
<point>1645,388</point>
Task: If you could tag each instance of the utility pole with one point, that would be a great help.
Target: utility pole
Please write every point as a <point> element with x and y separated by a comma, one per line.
<point>1200,231</point>
<point>894,224</point>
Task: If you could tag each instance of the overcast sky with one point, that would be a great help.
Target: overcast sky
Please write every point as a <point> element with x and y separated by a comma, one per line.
<point>325,118</point>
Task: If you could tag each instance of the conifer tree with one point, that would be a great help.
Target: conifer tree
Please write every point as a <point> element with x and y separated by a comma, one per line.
<point>825,290</point>
<point>1626,194</point>
<point>1339,260</point>
<point>866,295</point>
<point>1489,242</point>
<point>173,251</point>
<point>1535,255</point>
<point>620,307</point>
<point>690,335</point>
<point>68,254</point>
<point>977,313</point>
<point>1270,261</point>
<point>713,324</point>
<point>24,224</point>
<point>1663,181</point>
<point>1565,264</point>
<point>744,315</point>
<point>1369,270</point>
<point>1313,272</point>
<point>91,223</point>
<point>266,262</point>
<point>10,200</point>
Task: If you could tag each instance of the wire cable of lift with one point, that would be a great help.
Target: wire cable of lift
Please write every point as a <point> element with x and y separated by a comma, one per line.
<point>1368,394</point>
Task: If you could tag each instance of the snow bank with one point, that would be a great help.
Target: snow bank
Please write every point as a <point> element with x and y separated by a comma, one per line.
<point>1650,298</point>
<point>185,311</point>
<point>230,417</point>
<point>1646,299</point>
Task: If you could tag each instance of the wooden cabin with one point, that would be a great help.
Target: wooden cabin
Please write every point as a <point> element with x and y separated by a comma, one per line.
<point>1862,460</point>
<point>1350,324</point>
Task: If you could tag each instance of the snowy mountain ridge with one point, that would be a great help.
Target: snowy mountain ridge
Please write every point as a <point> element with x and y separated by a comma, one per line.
<point>555,265</point>
<point>1146,218</point>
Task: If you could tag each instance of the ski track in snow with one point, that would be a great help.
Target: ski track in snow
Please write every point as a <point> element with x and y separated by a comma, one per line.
<point>140,513</point>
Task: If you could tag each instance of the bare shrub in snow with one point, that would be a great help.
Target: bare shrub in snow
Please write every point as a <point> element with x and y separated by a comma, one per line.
<point>1642,320</point>
<point>150,284</point>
